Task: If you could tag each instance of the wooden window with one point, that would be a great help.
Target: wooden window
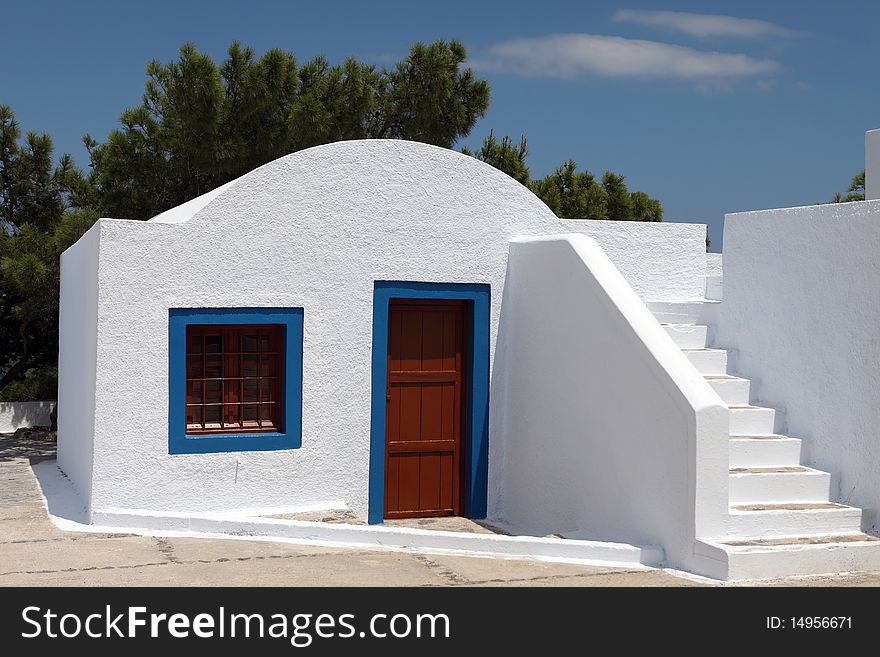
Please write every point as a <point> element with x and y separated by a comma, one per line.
<point>234,378</point>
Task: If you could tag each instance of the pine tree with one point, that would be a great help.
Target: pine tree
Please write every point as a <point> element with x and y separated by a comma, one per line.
<point>201,124</point>
<point>40,216</point>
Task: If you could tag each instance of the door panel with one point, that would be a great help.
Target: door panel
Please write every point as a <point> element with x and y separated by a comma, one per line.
<point>425,387</point>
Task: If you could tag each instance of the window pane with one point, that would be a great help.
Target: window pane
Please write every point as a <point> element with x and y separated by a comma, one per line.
<point>194,367</point>
<point>194,392</point>
<point>250,390</point>
<point>195,344</point>
<point>249,343</point>
<point>249,365</point>
<point>213,367</point>
<point>212,415</point>
<point>230,391</point>
<point>267,385</point>
<point>213,343</point>
<point>230,416</point>
<point>213,392</point>
<point>265,342</point>
<point>249,412</point>
<point>266,411</point>
<point>194,417</point>
<point>266,366</point>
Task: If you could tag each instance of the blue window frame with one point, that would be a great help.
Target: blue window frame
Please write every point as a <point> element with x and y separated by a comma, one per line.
<point>476,443</point>
<point>290,435</point>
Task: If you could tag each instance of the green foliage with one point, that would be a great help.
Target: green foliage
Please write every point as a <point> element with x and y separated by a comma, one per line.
<point>856,191</point>
<point>618,201</point>
<point>201,124</point>
<point>427,98</point>
<point>646,208</point>
<point>36,383</point>
<point>574,194</point>
<point>38,210</point>
<point>570,193</point>
<point>505,156</point>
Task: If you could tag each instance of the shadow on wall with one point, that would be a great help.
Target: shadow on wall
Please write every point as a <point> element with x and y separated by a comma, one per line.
<point>15,415</point>
<point>497,393</point>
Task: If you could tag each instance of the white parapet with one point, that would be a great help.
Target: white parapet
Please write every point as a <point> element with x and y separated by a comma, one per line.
<point>872,165</point>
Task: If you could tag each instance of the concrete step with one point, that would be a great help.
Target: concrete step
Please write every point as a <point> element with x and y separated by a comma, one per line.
<point>687,336</point>
<point>778,484</point>
<point>714,287</point>
<point>764,451</point>
<point>773,520</point>
<point>695,311</point>
<point>791,556</point>
<point>733,390</point>
<point>707,361</point>
<point>752,421</point>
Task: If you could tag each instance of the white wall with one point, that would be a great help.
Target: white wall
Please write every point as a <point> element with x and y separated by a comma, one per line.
<point>78,352</point>
<point>314,229</point>
<point>14,415</point>
<point>661,261</point>
<point>608,429</point>
<point>802,310</point>
<point>872,165</point>
<point>714,264</point>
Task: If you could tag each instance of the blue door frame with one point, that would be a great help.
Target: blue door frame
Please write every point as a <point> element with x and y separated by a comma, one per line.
<point>476,439</point>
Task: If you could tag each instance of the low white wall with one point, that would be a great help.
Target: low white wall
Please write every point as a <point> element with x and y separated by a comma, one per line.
<point>77,361</point>
<point>662,261</point>
<point>802,310</point>
<point>14,415</point>
<point>608,429</point>
<point>872,165</point>
<point>714,265</point>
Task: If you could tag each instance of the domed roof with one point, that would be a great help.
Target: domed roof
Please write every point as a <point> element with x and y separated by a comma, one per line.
<point>372,166</point>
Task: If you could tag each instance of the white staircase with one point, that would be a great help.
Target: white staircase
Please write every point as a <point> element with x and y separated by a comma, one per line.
<point>781,518</point>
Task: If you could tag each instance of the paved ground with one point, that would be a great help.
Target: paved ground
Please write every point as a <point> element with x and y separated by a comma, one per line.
<point>35,553</point>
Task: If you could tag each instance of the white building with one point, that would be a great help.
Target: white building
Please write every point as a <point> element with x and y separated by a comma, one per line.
<point>404,331</point>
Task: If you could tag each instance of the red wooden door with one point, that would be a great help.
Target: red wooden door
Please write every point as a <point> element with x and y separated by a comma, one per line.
<point>423,415</point>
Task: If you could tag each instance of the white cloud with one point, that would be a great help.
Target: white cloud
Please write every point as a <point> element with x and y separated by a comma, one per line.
<point>804,87</point>
<point>704,25</point>
<point>766,85</point>
<point>572,55</point>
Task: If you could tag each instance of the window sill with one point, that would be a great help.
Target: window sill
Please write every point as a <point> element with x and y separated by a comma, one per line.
<point>191,433</point>
<point>210,443</point>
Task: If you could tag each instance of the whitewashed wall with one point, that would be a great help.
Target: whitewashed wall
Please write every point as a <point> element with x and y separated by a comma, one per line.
<point>661,261</point>
<point>714,264</point>
<point>77,358</point>
<point>314,229</point>
<point>608,429</point>
<point>872,165</point>
<point>802,310</point>
<point>15,415</point>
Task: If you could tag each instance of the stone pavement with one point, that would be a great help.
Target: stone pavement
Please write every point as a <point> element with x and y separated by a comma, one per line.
<point>33,552</point>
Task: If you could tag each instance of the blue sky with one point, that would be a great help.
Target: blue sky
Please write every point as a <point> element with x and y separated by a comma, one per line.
<point>712,107</point>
